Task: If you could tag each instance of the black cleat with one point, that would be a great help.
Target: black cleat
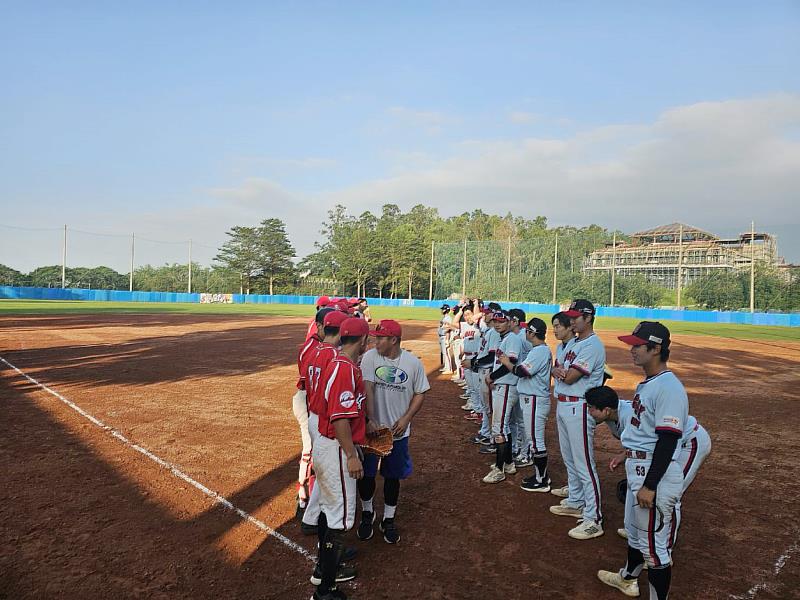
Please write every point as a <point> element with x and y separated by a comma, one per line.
<point>390,533</point>
<point>333,594</point>
<point>307,529</point>
<point>365,527</point>
<point>343,573</point>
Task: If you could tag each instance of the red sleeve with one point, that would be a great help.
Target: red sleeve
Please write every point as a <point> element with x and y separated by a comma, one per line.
<point>341,392</point>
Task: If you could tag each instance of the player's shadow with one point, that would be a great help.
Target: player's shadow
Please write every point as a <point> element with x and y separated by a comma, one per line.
<point>95,519</point>
<point>130,319</point>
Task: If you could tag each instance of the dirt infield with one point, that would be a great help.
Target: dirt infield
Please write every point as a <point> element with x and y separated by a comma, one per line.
<point>84,515</point>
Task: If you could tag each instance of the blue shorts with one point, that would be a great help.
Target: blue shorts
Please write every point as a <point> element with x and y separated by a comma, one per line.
<point>395,466</point>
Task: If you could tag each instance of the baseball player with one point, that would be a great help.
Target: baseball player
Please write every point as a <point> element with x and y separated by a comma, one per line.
<point>482,364</point>
<point>606,407</point>
<point>471,341</point>
<point>660,413</point>
<point>582,369</point>
<point>444,339</point>
<point>362,310</point>
<point>562,331</point>
<point>521,441</point>
<point>300,410</point>
<point>322,302</point>
<point>336,454</point>
<point>395,383</point>
<point>326,351</point>
<point>534,399</point>
<point>502,384</point>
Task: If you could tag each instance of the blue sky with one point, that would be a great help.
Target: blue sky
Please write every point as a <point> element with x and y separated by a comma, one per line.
<point>183,120</point>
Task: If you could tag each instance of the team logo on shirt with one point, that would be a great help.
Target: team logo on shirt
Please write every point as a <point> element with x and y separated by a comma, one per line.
<point>347,399</point>
<point>392,375</point>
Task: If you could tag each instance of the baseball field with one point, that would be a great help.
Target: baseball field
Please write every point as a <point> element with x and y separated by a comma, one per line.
<point>150,451</point>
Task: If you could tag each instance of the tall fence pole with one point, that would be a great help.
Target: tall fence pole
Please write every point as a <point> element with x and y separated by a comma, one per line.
<point>613,267</point>
<point>680,265</point>
<point>64,260</point>
<point>190,266</point>
<point>555,270</point>
<point>133,250</point>
<point>752,266</point>
<point>430,282</point>
<point>508,272</point>
<point>464,272</point>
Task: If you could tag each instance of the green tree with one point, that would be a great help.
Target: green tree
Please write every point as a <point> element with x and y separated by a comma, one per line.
<point>720,291</point>
<point>275,251</point>
<point>49,276</point>
<point>9,276</point>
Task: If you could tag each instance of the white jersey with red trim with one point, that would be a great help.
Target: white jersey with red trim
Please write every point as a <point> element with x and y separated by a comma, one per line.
<point>660,404</point>
<point>588,356</point>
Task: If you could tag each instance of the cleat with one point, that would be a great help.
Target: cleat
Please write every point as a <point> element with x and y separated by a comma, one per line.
<point>466,406</point>
<point>329,595</point>
<point>365,527</point>
<point>562,492</point>
<point>509,468</point>
<point>523,461</point>
<point>629,587</point>
<point>478,439</point>
<point>586,530</point>
<point>490,449</point>
<point>343,573</point>
<point>348,554</point>
<point>566,511</point>
<point>531,484</point>
<point>494,476</point>
<point>487,441</point>
<point>390,533</point>
<point>473,416</point>
<point>622,533</point>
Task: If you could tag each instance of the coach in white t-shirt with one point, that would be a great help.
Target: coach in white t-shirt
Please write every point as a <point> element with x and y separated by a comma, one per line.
<point>395,383</point>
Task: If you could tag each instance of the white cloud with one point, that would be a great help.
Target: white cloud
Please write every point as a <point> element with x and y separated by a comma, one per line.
<point>431,122</point>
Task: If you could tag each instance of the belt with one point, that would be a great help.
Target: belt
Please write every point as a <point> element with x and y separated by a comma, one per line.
<point>470,353</point>
<point>638,454</point>
<point>563,398</point>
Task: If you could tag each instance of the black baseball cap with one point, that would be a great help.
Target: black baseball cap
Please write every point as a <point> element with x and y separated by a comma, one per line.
<point>320,316</point>
<point>579,307</point>
<point>445,307</point>
<point>646,332</point>
<point>537,327</point>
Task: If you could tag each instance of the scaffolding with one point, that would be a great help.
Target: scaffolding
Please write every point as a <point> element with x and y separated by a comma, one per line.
<point>659,254</point>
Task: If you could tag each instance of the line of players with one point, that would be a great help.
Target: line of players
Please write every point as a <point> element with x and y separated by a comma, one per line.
<point>505,368</point>
<point>345,392</point>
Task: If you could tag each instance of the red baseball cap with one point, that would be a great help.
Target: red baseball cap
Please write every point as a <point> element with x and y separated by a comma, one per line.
<point>342,305</point>
<point>352,301</point>
<point>323,301</point>
<point>353,327</point>
<point>387,328</point>
<point>335,318</point>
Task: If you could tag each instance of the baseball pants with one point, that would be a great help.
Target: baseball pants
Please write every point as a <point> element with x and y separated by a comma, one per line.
<point>535,410</point>
<point>443,350</point>
<point>472,390</point>
<point>486,403</point>
<point>504,398</point>
<point>300,410</point>
<point>519,441</point>
<point>312,512</point>
<point>650,529</point>
<point>337,490</point>
<point>693,453</point>
<point>576,438</point>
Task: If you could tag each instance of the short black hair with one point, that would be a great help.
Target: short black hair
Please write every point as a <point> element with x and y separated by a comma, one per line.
<point>331,330</point>
<point>602,397</point>
<point>350,339</point>
<point>320,316</point>
<point>495,307</point>
<point>561,318</point>
<point>664,353</point>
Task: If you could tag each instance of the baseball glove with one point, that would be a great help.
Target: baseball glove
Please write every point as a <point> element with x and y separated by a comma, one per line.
<point>379,442</point>
<point>622,490</point>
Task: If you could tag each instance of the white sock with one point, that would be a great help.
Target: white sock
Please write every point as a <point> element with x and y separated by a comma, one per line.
<point>366,505</point>
<point>388,511</point>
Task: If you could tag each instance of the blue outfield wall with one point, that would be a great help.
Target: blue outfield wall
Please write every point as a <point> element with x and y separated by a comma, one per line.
<point>653,314</point>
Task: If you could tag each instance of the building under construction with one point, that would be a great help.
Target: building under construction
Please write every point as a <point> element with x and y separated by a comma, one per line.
<point>660,253</point>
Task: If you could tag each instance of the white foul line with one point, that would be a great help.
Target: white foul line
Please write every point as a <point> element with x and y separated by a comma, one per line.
<point>217,498</point>
<point>779,564</point>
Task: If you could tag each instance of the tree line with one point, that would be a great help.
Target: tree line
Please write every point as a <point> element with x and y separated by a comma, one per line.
<point>389,255</point>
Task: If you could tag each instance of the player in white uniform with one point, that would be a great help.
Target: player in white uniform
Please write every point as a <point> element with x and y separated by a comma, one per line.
<point>502,384</point>
<point>655,479</point>
<point>520,437</point>
<point>606,407</point>
<point>444,339</point>
<point>534,399</point>
<point>471,339</point>
<point>562,331</point>
<point>582,370</point>
<point>482,365</point>
<point>395,383</point>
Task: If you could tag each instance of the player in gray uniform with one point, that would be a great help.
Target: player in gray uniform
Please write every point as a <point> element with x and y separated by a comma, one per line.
<point>482,364</point>
<point>582,370</point>
<point>502,384</point>
<point>520,436</point>
<point>655,479</point>
<point>606,407</point>
<point>562,331</point>
<point>534,399</point>
<point>471,336</point>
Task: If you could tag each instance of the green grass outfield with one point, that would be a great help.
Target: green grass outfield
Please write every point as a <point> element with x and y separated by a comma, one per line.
<point>60,307</point>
